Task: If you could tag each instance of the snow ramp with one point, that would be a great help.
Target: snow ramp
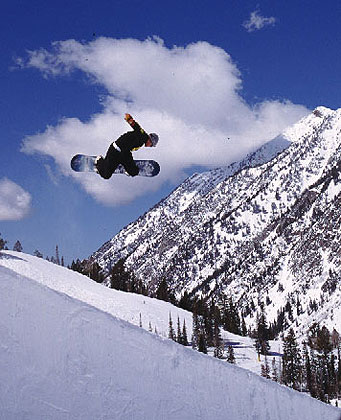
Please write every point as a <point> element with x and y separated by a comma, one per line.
<point>63,359</point>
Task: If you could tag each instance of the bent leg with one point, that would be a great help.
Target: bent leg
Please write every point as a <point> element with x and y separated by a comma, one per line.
<point>106,166</point>
<point>129,164</point>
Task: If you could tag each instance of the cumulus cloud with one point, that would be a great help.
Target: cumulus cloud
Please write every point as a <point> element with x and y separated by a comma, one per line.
<point>14,201</point>
<point>257,22</point>
<point>191,96</point>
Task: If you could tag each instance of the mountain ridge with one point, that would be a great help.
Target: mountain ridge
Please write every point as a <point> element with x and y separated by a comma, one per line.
<point>243,230</point>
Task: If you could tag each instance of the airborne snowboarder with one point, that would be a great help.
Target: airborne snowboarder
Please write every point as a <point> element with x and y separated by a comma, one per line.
<point>119,158</point>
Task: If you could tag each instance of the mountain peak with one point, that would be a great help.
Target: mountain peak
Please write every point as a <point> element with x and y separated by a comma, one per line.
<point>267,223</point>
<point>314,123</point>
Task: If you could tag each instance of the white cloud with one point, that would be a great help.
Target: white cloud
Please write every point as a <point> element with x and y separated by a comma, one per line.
<point>15,202</point>
<point>190,96</point>
<point>257,22</point>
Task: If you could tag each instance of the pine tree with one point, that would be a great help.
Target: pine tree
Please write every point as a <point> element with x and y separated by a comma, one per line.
<point>18,247</point>
<point>179,334</point>
<point>243,327</point>
<point>185,302</point>
<point>202,346</point>
<point>162,291</point>
<point>95,273</point>
<point>218,342</point>
<point>140,320</point>
<point>119,277</point>
<point>196,331</point>
<point>312,368</point>
<point>320,378</point>
<point>274,375</point>
<point>2,243</point>
<point>171,332</point>
<point>265,369</point>
<point>76,266</point>
<point>184,335</point>
<point>332,389</point>
<point>209,316</point>
<point>291,361</point>
<point>231,318</point>
<point>308,373</point>
<point>38,254</point>
<point>335,338</point>
<point>262,335</point>
<point>57,256</point>
<point>321,341</point>
<point>230,355</point>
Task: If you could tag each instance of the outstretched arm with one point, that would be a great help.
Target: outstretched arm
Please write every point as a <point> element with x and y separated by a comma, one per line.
<point>135,125</point>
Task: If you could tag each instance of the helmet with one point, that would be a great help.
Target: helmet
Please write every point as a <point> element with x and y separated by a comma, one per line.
<point>154,139</point>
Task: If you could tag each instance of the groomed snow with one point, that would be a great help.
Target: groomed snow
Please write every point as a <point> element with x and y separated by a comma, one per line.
<point>62,357</point>
<point>127,306</point>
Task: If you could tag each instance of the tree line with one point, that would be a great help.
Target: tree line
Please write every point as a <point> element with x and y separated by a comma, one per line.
<point>314,368</point>
<point>56,258</point>
<point>3,245</point>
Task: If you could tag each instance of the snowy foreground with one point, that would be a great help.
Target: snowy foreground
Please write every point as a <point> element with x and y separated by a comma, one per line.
<point>65,354</point>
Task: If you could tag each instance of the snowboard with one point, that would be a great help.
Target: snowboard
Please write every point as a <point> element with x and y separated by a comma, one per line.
<point>85,163</point>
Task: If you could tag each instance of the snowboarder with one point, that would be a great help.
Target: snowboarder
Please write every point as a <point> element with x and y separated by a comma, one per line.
<point>120,151</point>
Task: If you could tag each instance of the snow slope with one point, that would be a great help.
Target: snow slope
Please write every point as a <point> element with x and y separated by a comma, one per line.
<point>127,306</point>
<point>63,355</point>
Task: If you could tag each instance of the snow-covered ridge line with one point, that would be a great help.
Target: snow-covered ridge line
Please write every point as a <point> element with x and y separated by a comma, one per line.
<point>199,185</point>
<point>250,230</point>
<point>175,205</point>
<point>193,189</point>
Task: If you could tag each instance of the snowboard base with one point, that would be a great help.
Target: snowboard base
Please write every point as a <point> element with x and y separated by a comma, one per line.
<point>86,163</point>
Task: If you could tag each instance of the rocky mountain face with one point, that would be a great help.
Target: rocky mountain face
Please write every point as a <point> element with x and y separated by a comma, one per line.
<point>265,230</point>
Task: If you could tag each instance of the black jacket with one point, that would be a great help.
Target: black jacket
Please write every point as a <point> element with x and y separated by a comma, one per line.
<point>132,140</point>
<point>126,143</point>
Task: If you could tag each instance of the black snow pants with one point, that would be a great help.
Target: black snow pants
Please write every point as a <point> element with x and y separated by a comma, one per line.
<point>106,166</point>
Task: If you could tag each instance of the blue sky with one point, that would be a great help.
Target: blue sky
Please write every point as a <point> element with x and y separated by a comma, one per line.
<point>196,72</point>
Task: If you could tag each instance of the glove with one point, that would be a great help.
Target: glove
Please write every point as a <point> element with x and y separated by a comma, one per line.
<point>129,119</point>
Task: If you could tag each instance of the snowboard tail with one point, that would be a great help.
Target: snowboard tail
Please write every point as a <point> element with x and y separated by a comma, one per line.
<point>86,163</point>
<point>83,163</point>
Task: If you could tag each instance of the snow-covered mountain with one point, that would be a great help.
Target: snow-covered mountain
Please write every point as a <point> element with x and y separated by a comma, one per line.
<point>264,230</point>
<point>66,353</point>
